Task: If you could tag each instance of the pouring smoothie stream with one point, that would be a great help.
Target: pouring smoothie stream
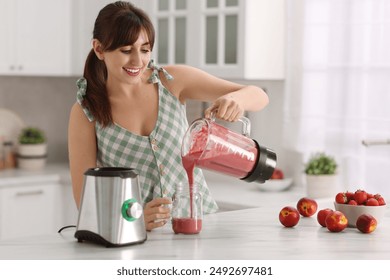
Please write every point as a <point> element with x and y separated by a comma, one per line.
<point>210,146</point>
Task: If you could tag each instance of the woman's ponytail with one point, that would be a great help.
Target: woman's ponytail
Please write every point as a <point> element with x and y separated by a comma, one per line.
<point>96,99</point>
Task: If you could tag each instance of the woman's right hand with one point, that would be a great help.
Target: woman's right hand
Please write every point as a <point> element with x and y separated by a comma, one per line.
<point>157,212</point>
<point>226,108</point>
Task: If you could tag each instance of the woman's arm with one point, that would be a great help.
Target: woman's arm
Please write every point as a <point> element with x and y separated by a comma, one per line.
<point>229,100</point>
<point>81,148</point>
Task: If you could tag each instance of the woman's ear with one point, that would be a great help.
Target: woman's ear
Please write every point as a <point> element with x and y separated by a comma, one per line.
<point>97,47</point>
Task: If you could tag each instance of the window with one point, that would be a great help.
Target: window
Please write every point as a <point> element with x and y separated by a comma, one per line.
<point>337,86</point>
<point>171,31</point>
<point>221,29</point>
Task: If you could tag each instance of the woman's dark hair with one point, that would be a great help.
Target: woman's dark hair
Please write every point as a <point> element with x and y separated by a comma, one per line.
<point>117,24</point>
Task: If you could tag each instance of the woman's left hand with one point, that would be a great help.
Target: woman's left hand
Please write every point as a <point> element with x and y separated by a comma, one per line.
<point>226,108</point>
<point>156,212</point>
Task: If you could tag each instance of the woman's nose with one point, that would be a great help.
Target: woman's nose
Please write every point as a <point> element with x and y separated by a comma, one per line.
<point>135,58</point>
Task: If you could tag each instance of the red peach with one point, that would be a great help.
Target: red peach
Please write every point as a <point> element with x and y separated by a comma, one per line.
<point>336,221</point>
<point>322,214</point>
<point>289,216</point>
<point>366,223</point>
<point>307,207</point>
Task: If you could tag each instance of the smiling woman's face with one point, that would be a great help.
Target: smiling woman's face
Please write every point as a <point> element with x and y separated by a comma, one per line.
<point>127,64</point>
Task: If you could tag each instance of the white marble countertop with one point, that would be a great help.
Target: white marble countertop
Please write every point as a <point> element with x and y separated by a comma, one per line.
<point>243,234</point>
<point>51,172</point>
<point>247,229</point>
<point>235,194</point>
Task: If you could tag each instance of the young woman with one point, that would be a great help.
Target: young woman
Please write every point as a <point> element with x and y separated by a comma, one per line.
<point>131,113</point>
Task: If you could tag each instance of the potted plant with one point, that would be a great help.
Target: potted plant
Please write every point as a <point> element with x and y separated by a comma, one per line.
<point>321,176</point>
<point>32,149</point>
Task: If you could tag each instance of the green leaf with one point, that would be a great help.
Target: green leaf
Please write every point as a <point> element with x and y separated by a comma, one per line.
<point>321,164</point>
<point>32,135</point>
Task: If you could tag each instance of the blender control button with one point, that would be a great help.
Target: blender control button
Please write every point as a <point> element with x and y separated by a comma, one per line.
<point>131,210</point>
<point>134,211</point>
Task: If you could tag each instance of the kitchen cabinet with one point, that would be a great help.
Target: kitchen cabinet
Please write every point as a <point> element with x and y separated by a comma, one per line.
<point>46,37</point>
<point>30,209</point>
<point>84,14</point>
<point>70,211</point>
<point>35,37</point>
<point>242,39</point>
<point>36,202</point>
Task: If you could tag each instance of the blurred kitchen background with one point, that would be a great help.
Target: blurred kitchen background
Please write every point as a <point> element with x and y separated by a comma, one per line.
<point>325,65</point>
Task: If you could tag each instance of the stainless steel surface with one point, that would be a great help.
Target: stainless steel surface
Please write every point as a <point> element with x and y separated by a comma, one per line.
<point>110,208</point>
<point>135,210</point>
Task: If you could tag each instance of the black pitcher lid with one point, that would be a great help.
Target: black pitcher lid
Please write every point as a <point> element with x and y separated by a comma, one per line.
<point>121,172</point>
<point>264,167</point>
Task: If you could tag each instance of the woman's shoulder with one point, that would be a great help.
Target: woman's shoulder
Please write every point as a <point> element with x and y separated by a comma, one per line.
<point>180,70</point>
<point>184,74</point>
<point>187,74</point>
<point>76,109</point>
<point>180,74</point>
<point>77,113</point>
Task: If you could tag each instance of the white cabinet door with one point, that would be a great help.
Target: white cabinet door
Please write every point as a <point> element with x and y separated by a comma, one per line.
<point>238,39</point>
<point>70,212</point>
<point>84,14</point>
<point>43,36</point>
<point>30,210</point>
<point>264,48</point>
<point>7,52</point>
<point>37,35</point>
<point>243,38</point>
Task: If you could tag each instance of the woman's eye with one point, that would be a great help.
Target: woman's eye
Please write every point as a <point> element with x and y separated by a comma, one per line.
<point>126,51</point>
<point>145,50</point>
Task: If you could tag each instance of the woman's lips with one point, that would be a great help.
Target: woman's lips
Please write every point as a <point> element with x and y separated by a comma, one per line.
<point>132,71</point>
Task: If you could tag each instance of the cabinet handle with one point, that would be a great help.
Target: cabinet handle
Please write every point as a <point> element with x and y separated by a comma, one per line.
<point>12,68</point>
<point>376,142</point>
<point>37,192</point>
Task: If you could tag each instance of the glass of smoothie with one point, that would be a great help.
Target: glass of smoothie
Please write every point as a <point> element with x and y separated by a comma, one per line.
<point>187,212</point>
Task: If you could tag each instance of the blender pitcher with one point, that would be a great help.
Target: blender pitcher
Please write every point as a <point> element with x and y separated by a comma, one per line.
<point>211,146</point>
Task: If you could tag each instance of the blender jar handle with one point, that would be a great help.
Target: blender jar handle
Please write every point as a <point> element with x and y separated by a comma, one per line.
<point>246,124</point>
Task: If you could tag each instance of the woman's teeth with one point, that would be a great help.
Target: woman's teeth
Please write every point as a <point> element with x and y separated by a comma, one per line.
<point>132,70</point>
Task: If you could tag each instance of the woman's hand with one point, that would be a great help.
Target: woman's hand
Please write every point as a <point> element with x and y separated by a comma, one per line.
<point>157,212</point>
<point>226,108</point>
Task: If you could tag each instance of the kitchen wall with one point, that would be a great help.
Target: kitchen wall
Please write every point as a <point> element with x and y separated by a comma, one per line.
<point>46,102</point>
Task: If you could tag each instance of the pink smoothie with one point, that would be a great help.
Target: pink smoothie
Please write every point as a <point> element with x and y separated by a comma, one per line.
<point>225,156</point>
<point>186,225</point>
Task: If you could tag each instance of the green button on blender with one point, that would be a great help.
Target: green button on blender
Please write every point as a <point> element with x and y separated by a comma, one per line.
<point>131,210</point>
